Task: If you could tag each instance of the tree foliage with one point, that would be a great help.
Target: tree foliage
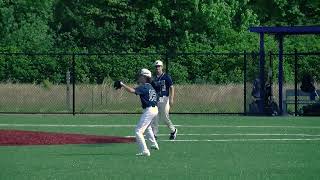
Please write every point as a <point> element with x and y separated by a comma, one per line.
<point>135,26</point>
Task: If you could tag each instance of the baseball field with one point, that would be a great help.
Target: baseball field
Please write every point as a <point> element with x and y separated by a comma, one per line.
<point>207,147</point>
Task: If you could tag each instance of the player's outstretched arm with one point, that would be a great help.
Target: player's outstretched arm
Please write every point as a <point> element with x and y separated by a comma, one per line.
<point>127,88</point>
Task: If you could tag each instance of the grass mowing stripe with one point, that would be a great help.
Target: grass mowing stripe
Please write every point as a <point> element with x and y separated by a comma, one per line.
<point>238,140</point>
<point>223,126</point>
<point>241,134</point>
<point>185,126</point>
<point>64,125</point>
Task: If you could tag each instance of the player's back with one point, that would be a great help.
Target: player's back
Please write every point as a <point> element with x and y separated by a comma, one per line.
<point>148,95</point>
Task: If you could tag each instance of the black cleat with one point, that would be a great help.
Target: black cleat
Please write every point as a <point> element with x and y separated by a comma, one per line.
<point>154,147</point>
<point>173,135</point>
<point>155,137</point>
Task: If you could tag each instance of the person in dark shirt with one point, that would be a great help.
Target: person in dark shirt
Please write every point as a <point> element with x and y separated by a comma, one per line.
<point>163,85</point>
<point>149,99</point>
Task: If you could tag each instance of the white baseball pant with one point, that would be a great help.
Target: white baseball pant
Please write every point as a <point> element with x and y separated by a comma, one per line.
<point>143,125</point>
<point>164,108</point>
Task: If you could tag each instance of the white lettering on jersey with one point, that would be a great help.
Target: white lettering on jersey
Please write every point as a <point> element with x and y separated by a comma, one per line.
<point>163,85</point>
<point>152,95</point>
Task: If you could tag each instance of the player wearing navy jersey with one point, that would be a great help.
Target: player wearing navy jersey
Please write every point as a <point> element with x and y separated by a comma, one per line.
<point>163,85</point>
<point>148,97</point>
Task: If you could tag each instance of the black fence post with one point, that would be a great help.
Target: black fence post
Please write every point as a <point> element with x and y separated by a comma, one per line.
<point>167,62</point>
<point>270,73</point>
<point>270,60</point>
<point>245,83</point>
<point>73,84</point>
<point>280,75</point>
<point>295,82</point>
<point>170,54</point>
<point>262,73</point>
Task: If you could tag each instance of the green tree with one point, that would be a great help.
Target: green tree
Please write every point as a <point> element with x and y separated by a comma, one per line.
<point>99,26</point>
<point>24,25</point>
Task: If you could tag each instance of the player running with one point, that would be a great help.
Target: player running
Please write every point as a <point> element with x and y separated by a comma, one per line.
<point>163,84</point>
<point>148,97</point>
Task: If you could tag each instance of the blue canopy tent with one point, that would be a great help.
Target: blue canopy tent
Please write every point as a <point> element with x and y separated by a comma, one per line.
<point>279,32</point>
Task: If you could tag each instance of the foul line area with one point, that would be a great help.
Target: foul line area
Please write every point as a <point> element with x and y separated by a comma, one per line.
<point>131,125</point>
<point>237,140</point>
<point>244,136</point>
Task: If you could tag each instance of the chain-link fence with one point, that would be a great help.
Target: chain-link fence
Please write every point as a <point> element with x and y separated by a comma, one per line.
<point>214,82</point>
<point>205,83</point>
<point>26,83</point>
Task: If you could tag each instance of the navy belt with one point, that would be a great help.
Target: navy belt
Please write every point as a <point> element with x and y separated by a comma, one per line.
<point>150,106</point>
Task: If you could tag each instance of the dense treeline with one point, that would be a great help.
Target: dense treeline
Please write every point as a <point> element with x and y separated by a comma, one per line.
<point>129,26</point>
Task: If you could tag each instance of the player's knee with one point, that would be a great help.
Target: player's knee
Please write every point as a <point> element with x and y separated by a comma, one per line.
<point>138,132</point>
<point>167,116</point>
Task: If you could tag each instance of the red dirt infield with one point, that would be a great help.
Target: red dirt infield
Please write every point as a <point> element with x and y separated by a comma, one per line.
<point>19,138</point>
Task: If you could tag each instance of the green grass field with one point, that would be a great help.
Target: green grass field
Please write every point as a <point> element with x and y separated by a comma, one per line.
<point>208,147</point>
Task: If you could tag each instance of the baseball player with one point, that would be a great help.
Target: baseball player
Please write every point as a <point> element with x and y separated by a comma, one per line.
<point>163,84</point>
<point>148,97</point>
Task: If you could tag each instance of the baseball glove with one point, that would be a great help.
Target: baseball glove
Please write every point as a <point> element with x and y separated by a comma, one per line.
<point>117,85</point>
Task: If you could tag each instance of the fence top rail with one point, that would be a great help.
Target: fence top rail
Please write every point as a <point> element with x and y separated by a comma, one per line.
<point>153,53</point>
<point>76,54</point>
<point>124,54</point>
<point>317,53</point>
<point>211,53</point>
